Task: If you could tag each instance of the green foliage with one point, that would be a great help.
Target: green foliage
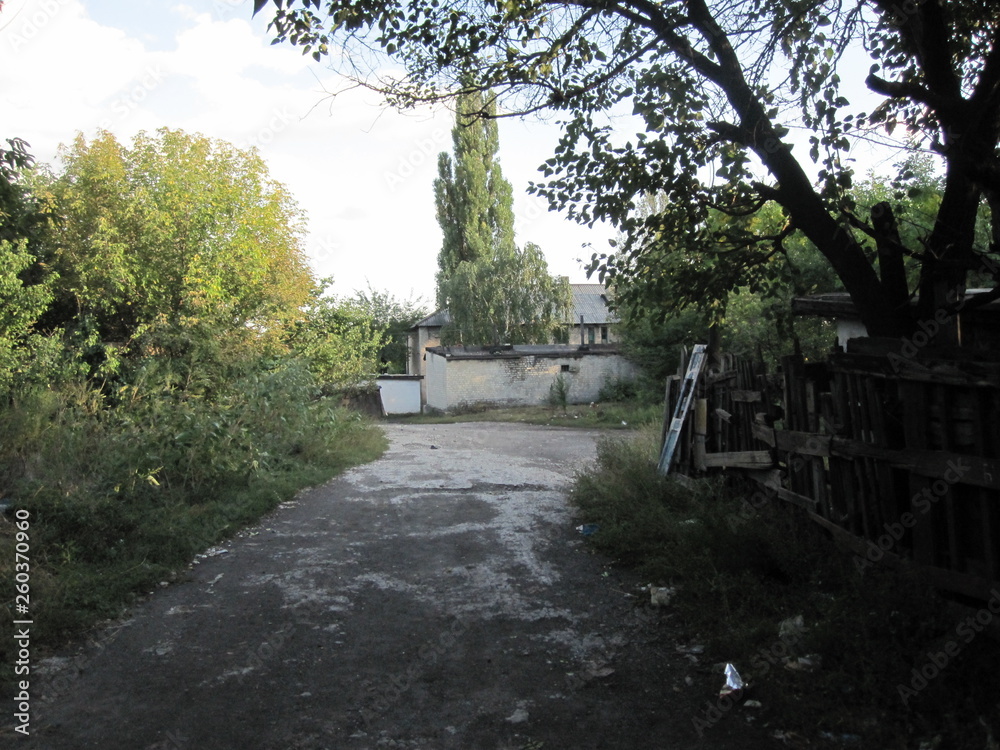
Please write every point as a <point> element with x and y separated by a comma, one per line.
<point>606,416</point>
<point>339,339</point>
<point>159,356</point>
<point>508,299</point>
<point>25,287</point>
<point>494,291</point>
<point>174,230</point>
<point>393,318</point>
<point>559,393</point>
<point>748,294</point>
<point>737,106</point>
<point>474,202</point>
<point>618,390</point>
<point>121,495</point>
<point>20,307</point>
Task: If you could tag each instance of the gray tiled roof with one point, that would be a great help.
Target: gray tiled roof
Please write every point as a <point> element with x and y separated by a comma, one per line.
<point>590,301</point>
<point>434,320</point>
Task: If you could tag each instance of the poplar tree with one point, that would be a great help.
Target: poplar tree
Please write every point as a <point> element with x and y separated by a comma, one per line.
<point>494,291</point>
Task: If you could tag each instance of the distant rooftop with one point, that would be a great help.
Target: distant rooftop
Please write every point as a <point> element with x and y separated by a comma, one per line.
<point>508,351</point>
<point>434,320</point>
<point>589,300</point>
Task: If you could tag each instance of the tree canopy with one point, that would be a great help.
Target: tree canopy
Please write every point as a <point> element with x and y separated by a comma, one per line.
<point>742,103</point>
<point>174,228</point>
<point>494,291</point>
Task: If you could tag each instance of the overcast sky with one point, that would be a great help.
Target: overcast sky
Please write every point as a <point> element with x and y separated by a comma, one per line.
<point>363,174</point>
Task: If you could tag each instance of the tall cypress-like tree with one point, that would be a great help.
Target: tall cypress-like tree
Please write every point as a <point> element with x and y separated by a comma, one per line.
<point>495,291</point>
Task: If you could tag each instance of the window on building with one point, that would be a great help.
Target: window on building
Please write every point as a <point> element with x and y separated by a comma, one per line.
<point>604,334</point>
<point>564,368</point>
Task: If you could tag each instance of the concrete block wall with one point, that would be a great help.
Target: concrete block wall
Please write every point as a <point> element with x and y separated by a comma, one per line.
<point>522,380</point>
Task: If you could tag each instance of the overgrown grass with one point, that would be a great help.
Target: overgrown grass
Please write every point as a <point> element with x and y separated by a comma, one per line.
<point>617,415</point>
<point>119,497</point>
<point>740,570</point>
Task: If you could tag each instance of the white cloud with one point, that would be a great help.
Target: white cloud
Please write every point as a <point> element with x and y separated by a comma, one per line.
<point>363,174</point>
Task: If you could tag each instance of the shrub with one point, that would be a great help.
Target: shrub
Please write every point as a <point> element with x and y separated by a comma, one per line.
<point>559,393</point>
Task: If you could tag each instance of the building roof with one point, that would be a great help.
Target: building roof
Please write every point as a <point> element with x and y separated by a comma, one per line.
<point>508,351</point>
<point>589,301</point>
<point>434,320</point>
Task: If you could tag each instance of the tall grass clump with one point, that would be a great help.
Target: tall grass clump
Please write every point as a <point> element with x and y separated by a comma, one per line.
<point>125,487</point>
<point>741,568</point>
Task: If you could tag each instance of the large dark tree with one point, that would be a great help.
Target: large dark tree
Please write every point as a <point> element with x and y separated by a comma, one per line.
<point>722,88</point>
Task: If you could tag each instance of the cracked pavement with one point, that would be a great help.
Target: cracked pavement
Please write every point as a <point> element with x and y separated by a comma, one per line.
<point>437,598</point>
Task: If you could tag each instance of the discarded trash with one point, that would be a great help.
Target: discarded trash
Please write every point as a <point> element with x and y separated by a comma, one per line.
<point>588,528</point>
<point>660,596</point>
<point>793,627</point>
<point>696,649</point>
<point>752,704</point>
<point>597,672</point>
<point>434,448</point>
<point>214,552</point>
<point>807,663</point>
<point>734,683</point>
<point>843,739</point>
<point>518,717</point>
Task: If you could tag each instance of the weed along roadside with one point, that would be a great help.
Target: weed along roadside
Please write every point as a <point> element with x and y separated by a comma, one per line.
<point>127,500</point>
<point>439,597</point>
<point>876,658</point>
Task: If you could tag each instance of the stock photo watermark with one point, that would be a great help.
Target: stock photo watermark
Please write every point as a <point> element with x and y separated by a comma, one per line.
<point>937,660</point>
<point>762,662</point>
<point>399,683</point>
<point>279,121</point>
<point>424,150</point>
<point>22,625</point>
<point>922,502</point>
<point>28,20</point>
<point>126,103</point>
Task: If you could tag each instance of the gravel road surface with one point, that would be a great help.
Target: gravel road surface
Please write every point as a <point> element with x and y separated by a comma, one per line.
<point>439,598</point>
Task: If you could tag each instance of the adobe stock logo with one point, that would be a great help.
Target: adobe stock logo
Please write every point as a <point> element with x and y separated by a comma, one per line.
<point>29,20</point>
<point>965,632</point>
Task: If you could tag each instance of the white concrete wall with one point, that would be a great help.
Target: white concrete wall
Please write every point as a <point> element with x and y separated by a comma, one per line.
<point>519,381</point>
<point>435,383</point>
<point>400,394</point>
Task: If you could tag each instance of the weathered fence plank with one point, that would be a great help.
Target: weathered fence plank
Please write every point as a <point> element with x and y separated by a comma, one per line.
<point>869,445</point>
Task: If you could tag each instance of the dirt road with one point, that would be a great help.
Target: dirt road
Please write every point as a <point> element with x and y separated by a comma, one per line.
<point>438,598</point>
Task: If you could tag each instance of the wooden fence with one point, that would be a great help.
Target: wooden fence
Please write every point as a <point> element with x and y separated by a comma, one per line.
<point>896,451</point>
